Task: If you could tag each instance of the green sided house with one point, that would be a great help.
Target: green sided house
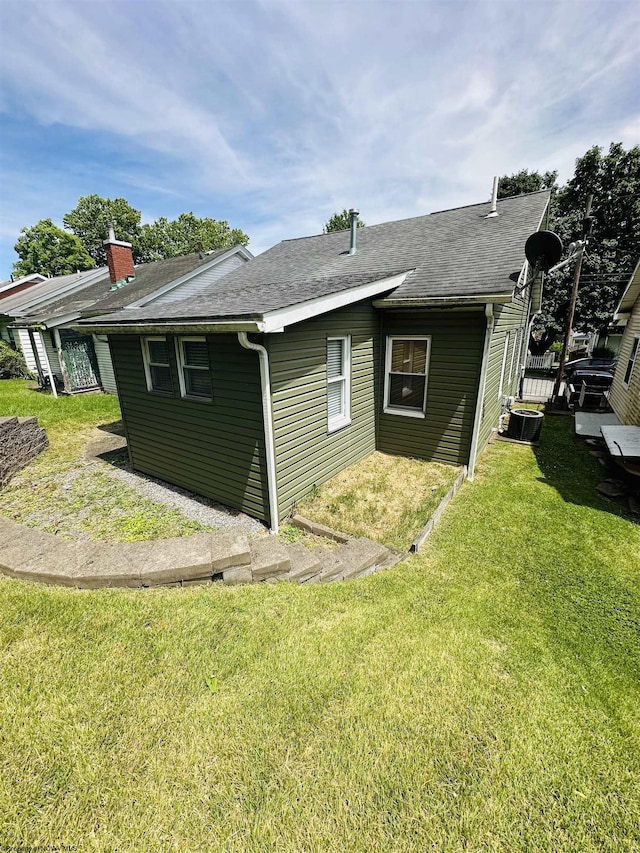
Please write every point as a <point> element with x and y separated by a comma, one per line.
<point>404,337</point>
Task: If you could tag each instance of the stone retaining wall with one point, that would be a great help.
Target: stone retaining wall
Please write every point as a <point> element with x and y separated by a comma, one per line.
<point>21,440</point>
<point>30,554</point>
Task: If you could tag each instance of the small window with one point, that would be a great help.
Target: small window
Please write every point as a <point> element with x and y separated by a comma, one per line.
<point>632,361</point>
<point>504,364</point>
<point>155,353</point>
<point>193,361</point>
<point>338,382</point>
<point>407,361</point>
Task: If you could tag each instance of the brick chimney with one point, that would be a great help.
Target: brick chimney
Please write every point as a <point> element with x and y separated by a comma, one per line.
<point>119,257</point>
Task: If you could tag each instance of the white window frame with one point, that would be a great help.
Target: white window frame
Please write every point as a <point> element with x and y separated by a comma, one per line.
<point>504,363</point>
<point>631,361</point>
<point>344,418</point>
<point>389,409</point>
<point>181,368</point>
<point>146,360</point>
<point>513,354</point>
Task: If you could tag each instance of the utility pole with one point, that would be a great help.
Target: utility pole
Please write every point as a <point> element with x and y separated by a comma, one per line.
<point>586,231</point>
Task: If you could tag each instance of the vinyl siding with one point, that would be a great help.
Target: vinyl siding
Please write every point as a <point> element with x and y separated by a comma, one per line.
<point>444,434</point>
<point>510,318</point>
<point>105,366</point>
<point>213,448</point>
<point>625,399</point>
<point>306,454</point>
<point>199,282</point>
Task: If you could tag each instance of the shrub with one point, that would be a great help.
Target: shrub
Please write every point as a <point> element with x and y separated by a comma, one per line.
<point>12,363</point>
<point>603,352</point>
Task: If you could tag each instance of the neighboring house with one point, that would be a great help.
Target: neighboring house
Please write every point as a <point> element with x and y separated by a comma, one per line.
<point>624,396</point>
<point>318,352</point>
<point>79,361</point>
<point>17,285</point>
<point>40,293</point>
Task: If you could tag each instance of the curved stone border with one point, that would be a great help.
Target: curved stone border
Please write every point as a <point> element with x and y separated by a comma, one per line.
<point>30,554</point>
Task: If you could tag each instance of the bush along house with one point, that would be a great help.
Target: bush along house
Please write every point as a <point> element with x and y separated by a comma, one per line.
<point>402,337</point>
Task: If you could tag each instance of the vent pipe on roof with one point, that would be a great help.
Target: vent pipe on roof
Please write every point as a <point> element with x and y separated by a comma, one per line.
<point>494,199</point>
<point>353,213</point>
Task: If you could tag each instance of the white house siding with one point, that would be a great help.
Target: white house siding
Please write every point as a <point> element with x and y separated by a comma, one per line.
<point>27,350</point>
<point>199,282</point>
<point>52,354</point>
<point>625,399</point>
<point>105,365</point>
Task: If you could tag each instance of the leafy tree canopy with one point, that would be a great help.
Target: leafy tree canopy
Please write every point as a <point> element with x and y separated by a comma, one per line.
<point>614,180</point>
<point>49,250</point>
<point>52,251</point>
<point>525,181</point>
<point>186,234</point>
<point>90,220</point>
<point>340,222</point>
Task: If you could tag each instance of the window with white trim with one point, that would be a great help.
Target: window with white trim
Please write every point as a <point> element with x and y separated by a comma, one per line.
<point>504,364</point>
<point>405,381</point>
<point>155,356</point>
<point>514,349</point>
<point>338,382</point>
<point>193,368</point>
<point>632,360</point>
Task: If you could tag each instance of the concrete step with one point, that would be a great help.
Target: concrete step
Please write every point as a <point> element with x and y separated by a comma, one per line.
<point>330,565</point>
<point>269,559</point>
<point>304,563</point>
<point>360,555</point>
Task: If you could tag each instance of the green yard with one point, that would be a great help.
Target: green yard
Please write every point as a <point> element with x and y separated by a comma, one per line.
<point>482,696</point>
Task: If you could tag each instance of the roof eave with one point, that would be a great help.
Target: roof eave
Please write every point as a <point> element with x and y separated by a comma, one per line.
<point>440,301</point>
<point>171,327</point>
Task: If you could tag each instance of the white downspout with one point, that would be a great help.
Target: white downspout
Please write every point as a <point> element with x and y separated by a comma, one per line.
<point>488,310</point>
<point>265,383</point>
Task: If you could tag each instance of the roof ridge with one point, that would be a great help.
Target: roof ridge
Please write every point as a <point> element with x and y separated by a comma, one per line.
<point>418,216</point>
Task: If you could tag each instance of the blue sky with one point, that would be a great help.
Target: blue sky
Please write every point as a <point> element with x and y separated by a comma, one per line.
<point>273,115</point>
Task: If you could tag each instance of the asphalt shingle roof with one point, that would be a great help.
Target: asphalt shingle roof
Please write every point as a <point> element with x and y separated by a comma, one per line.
<point>452,253</point>
<point>98,297</point>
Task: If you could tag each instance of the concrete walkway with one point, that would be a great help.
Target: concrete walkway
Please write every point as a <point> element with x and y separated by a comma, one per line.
<point>30,554</point>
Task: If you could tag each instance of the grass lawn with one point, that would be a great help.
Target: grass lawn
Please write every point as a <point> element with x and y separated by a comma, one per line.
<point>482,696</point>
<point>388,498</point>
<point>60,493</point>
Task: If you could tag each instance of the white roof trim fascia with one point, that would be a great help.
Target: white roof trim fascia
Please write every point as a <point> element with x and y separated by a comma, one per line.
<point>145,300</point>
<point>275,321</point>
<point>439,301</point>
<point>52,295</point>
<point>149,327</point>
<point>631,290</point>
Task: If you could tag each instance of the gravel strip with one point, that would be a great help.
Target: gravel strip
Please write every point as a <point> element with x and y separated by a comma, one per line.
<point>193,506</point>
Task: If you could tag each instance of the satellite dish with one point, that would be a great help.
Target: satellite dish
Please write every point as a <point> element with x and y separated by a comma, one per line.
<point>543,250</point>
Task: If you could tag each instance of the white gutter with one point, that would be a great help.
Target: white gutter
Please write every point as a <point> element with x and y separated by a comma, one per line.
<point>488,310</point>
<point>268,425</point>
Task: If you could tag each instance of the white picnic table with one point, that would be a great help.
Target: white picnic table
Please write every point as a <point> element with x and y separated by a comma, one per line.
<point>622,441</point>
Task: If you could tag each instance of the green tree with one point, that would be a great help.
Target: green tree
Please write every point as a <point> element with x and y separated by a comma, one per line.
<point>614,180</point>
<point>49,250</point>
<point>90,220</point>
<point>525,181</point>
<point>188,233</point>
<point>340,222</point>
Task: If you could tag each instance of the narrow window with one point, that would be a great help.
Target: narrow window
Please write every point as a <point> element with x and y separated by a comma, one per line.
<point>407,361</point>
<point>338,382</point>
<point>632,361</point>
<point>504,364</point>
<point>155,355</point>
<point>193,363</point>
<point>513,356</point>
